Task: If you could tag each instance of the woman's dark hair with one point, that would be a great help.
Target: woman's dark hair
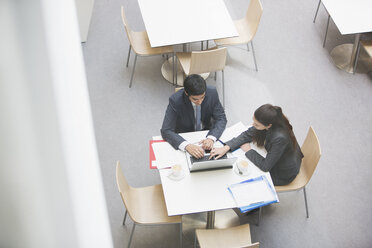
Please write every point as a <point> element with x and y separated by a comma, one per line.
<point>268,114</point>
<point>194,85</point>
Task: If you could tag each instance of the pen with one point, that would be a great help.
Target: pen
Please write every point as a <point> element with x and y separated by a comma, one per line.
<point>253,179</point>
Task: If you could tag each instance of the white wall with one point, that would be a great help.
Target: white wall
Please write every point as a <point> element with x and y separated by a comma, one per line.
<point>51,193</point>
<point>84,12</point>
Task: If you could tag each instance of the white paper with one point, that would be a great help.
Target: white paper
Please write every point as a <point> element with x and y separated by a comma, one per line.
<point>233,131</point>
<point>194,137</point>
<point>166,155</point>
<point>253,192</point>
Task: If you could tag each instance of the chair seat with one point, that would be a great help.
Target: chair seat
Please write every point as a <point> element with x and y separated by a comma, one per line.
<point>245,35</point>
<point>203,66</point>
<point>141,45</point>
<point>238,236</point>
<point>367,46</point>
<point>144,205</point>
<point>297,184</point>
<point>149,206</point>
<point>185,61</point>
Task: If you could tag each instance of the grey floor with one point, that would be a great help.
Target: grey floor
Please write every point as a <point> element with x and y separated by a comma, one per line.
<point>295,72</point>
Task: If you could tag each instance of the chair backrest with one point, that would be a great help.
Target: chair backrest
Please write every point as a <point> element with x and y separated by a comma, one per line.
<point>255,245</point>
<point>237,236</point>
<point>177,89</point>
<point>253,16</point>
<point>126,191</point>
<point>367,45</point>
<point>208,61</point>
<point>311,150</point>
<point>126,26</point>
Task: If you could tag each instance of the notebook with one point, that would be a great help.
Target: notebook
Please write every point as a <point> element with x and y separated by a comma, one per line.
<point>204,163</point>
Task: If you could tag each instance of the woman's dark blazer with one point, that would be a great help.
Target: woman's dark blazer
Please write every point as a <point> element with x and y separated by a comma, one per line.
<point>282,161</point>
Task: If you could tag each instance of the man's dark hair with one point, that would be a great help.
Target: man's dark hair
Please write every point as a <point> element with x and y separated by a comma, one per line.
<point>194,85</point>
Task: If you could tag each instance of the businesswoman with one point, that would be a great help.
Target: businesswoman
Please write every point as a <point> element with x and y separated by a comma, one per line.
<point>271,129</point>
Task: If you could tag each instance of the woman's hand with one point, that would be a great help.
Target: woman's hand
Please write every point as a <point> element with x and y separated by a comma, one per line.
<point>246,147</point>
<point>216,153</point>
<point>207,144</point>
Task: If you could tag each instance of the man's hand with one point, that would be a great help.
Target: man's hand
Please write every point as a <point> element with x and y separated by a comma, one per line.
<point>216,153</point>
<point>194,150</point>
<point>207,144</point>
<point>246,147</point>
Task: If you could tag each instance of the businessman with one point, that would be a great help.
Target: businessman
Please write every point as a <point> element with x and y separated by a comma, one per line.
<point>196,107</point>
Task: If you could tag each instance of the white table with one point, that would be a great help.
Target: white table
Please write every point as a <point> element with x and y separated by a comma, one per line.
<point>172,22</point>
<point>202,191</point>
<point>350,17</point>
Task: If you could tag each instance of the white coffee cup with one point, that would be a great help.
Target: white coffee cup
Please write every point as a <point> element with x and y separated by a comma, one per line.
<point>243,166</point>
<point>176,170</point>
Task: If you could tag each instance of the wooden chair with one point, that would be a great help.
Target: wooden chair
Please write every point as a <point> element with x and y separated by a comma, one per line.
<point>145,206</point>
<point>177,89</point>
<point>367,46</point>
<point>329,17</point>
<point>246,27</point>
<point>238,236</point>
<point>199,62</point>
<point>139,42</point>
<point>311,150</point>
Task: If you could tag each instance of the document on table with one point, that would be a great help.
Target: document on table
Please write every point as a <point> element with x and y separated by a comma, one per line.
<point>253,193</point>
<point>194,137</point>
<point>166,155</point>
<point>232,132</point>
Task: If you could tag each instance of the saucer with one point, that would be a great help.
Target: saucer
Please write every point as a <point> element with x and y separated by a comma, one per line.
<point>174,178</point>
<point>243,173</point>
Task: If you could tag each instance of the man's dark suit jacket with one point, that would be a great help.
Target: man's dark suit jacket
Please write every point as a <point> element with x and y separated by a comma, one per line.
<point>180,117</point>
<point>281,160</point>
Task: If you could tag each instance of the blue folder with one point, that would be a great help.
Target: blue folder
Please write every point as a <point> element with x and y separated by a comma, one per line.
<point>257,204</point>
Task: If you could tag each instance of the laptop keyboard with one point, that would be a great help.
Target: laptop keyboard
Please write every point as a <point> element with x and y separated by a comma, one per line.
<point>205,158</point>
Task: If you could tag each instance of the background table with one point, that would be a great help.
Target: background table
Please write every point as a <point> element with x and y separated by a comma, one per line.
<point>350,17</point>
<point>172,22</point>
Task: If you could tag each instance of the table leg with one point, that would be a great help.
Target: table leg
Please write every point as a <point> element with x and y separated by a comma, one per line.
<point>344,57</point>
<point>210,219</point>
<point>354,51</point>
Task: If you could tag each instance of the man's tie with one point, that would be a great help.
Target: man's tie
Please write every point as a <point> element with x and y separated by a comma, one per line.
<point>198,125</point>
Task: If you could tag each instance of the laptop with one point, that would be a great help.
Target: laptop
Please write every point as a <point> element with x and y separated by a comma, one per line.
<point>204,164</point>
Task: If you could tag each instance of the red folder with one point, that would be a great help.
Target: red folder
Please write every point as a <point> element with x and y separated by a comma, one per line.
<point>152,154</point>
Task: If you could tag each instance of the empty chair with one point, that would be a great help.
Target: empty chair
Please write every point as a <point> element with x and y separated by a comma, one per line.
<point>329,17</point>
<point>139,42</point>
<point>145,206</point>
<point>246,27</point>
<point>311,150</point>
<point>233,237</point>
<point>367,45</point>
<point>199,62</point>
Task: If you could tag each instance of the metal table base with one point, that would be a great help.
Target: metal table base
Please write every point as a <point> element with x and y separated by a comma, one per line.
<point>344,57</point>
